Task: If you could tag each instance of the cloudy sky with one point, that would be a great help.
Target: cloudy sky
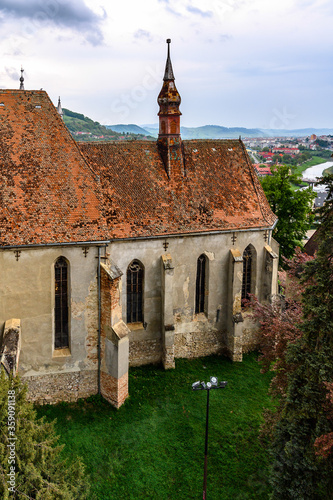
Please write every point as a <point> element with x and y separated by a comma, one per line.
<point>250,63</point>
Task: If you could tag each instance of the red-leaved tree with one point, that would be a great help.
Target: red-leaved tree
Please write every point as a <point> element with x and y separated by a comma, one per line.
<point>279,323</point>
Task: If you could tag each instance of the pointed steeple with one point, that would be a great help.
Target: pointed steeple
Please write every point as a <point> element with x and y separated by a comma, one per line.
<point>169,101</point>
<point>22,79</point>
<point>169,140</point>
<point>168,74</point>
<point>59,109</point>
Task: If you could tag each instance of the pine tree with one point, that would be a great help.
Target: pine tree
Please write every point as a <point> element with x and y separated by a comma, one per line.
<point>28,446</point>
<point>302,447</point>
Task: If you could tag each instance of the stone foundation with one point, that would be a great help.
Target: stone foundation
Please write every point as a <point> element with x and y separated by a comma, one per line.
<point>56,387</point>
<point>235,348</point>
<point>198,344</point>
<point>114,390</point>
<point>145,352</point>
<point>169,357</point>
<point>250,339</point>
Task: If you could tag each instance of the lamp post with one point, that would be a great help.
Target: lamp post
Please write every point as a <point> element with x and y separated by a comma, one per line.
<point>202,386</point>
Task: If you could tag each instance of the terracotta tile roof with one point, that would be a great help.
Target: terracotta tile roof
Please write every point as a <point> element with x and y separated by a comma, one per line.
<point>52,191</point>
<point>311,246</point>
<point>47,191</point>
<point>262,170</point>
<point>219,192</point>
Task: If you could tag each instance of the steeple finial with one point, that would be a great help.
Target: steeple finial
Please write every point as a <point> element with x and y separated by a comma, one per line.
<point>59,108</point>
<point>168,41</point>
<point>168,74</point>
<point>22,79</point>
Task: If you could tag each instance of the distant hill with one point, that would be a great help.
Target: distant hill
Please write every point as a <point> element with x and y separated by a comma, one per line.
<point>128,129</point>
<point>302,132</point>
<point>219,132</point>
<point>83,128</point>
<point>205,132</point>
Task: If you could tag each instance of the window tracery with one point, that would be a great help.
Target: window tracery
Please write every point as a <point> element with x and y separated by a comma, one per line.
<point>134,291</point>
<point>61,328</point>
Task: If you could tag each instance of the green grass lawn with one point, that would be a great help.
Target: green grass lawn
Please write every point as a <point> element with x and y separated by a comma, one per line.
<point>153,446</point>
<point>328,170</point>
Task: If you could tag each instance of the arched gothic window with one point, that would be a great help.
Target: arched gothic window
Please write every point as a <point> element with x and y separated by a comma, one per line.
<point>200,285</point>
<point>134,292</point>
<point>247,273</point>
<point>61,329</point>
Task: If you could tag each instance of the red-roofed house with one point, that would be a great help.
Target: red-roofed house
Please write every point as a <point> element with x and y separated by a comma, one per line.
<point>262,171</point>
<point>124,253</point>
<point>287,151</point>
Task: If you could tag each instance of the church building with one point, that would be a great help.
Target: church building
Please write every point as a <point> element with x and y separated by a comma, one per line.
<point>123,253</point>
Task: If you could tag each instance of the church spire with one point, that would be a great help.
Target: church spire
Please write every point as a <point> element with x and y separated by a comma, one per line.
<point>168,74</point>
<point>22,79</point>
<point>169,140</point>
<point>169,101</point>
<point>59,109</point>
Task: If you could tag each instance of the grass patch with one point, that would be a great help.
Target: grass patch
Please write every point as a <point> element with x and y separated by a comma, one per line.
<point>328,170</point>
<point>153,446</point>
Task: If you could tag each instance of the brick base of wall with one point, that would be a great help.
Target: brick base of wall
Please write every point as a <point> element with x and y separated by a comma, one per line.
<point>145,352</point>
<point>114,390</point>
<point>56,387</point>
<point>197,344</point>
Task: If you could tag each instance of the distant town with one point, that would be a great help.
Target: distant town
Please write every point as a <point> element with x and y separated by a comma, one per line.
<point>265,152</point>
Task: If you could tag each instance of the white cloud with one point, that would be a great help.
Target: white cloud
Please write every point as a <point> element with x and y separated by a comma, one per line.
<point>234,60</point>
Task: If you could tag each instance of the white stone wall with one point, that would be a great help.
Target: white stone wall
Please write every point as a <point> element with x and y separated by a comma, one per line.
<point>27,293</point>
<point>195,335</point>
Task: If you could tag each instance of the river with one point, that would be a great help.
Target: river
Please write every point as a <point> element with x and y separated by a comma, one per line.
<point>312,173</point>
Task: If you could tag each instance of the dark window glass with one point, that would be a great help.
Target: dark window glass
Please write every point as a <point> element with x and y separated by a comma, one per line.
<point>247,271</point>
<point>200,285</point>
<point>135,292</point>
<point>61,304</point>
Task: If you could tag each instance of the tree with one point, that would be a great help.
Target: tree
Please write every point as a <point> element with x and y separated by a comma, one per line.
<point>279,326</point>
<point>303,436</point>
<point>287,159</point>
<point>293,208</point>
<point>31,465</point>
<point>322,143</point>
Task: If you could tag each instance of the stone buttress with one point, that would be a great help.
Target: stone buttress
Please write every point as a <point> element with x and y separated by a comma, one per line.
<point>114,338</point>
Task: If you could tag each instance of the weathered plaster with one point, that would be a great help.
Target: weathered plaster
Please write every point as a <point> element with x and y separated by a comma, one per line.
<point>171,328</point>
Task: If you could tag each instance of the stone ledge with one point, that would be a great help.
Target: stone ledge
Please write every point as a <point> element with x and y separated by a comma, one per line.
<point>60,353</point>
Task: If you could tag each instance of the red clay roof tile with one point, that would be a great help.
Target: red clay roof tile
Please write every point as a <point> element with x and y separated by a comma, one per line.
<point>53,191</point>
<point>220,190</point>
<point>48,192</point>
